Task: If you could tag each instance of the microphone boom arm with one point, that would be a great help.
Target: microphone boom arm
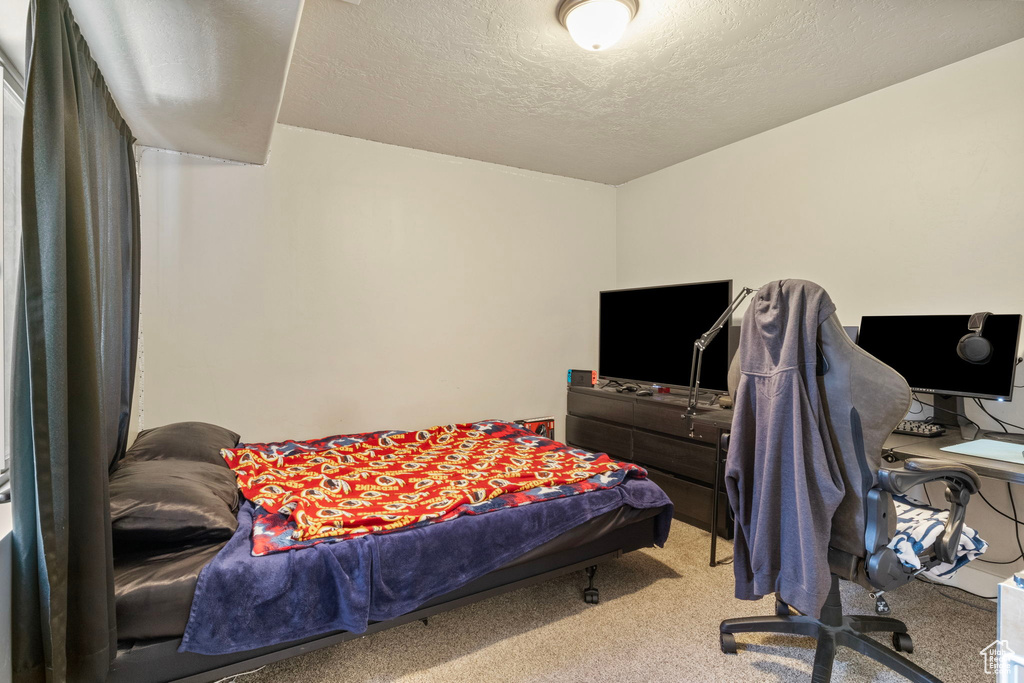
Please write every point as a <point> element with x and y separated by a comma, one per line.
<point>702,343</point>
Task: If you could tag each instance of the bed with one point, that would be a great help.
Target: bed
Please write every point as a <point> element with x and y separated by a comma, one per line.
<point>168,630</point>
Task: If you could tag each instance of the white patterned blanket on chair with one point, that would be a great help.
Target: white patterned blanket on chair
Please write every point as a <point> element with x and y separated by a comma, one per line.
<point>917,528</point>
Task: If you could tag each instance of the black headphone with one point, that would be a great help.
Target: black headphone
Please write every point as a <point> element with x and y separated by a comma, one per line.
<point>973,347</point>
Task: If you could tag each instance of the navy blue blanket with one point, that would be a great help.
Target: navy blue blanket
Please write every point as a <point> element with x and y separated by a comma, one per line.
<point>244,602</point>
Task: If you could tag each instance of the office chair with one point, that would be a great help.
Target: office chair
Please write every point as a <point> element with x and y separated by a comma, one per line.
<point>864,400</point>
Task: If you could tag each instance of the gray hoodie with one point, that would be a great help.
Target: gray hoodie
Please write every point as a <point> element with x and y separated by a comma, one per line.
<point>781,472</point>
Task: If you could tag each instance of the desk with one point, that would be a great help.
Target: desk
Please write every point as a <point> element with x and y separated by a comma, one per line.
<point>684,457</point>
<point>903,446</point>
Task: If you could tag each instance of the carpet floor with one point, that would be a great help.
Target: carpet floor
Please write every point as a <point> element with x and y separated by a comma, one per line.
<point>657,621</point>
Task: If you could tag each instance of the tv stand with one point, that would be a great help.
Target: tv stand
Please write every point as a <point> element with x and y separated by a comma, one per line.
<point>684,455</point>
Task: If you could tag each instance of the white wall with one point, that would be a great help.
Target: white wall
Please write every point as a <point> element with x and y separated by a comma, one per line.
<point>908,200</point>
<point>349,286</point>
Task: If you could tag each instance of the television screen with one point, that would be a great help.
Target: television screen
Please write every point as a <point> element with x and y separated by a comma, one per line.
<point>647,334</point>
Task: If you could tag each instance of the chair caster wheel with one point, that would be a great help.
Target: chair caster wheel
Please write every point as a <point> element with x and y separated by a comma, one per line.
<point>728,642</point>
<point>901,642</point>
<point>591,596</point>
<point>781,609</point>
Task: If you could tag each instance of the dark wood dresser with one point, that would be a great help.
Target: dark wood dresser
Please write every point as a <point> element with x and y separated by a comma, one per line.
<point>681,455</point>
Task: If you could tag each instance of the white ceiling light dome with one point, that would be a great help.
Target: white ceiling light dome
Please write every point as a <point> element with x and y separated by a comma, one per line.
<point>596,24</point>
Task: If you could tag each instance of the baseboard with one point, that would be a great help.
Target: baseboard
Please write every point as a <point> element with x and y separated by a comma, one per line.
<point>976,578</point>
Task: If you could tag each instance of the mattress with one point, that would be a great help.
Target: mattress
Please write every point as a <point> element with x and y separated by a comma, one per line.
<point>154,594</point>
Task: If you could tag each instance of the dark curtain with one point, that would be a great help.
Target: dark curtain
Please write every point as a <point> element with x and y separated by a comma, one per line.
<point>74,354</point>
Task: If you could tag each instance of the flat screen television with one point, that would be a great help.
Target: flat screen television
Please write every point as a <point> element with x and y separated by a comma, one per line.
<point>647,334</point>
<point>923,348</point>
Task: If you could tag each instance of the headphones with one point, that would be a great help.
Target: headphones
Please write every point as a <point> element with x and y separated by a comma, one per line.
<point>973,347</point>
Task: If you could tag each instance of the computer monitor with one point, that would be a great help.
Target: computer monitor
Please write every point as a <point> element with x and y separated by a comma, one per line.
<point>647,334</point>
<point>923,348</point>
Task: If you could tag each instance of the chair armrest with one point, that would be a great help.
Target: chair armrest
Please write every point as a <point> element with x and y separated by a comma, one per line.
<point>961,483</point>
<point>923,470</point>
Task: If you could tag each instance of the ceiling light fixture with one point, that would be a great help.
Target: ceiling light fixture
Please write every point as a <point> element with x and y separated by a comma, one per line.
<point>596,24</point>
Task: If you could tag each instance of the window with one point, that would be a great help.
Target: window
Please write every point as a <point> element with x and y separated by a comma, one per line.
<point>13,113</point>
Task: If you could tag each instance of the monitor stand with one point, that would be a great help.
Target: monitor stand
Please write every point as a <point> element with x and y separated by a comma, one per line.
<point>946,412</point>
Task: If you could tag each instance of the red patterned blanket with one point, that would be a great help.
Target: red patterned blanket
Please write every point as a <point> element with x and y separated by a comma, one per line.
<point>395,481</point>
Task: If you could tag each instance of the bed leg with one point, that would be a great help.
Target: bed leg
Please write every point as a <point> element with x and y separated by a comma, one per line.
<point>425,621</point>
<point>590,594</point>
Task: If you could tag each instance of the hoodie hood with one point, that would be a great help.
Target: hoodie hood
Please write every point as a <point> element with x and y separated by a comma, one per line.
<point>784,317</point>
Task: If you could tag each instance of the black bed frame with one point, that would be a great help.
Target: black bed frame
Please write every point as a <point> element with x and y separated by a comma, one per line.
<point>158,661</point>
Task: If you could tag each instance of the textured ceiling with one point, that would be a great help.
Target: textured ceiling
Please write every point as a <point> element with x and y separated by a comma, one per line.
<point>502,81</point>
<point>194,75</point>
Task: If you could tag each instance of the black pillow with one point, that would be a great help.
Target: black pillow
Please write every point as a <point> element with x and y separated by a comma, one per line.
<point>195,441</point>
<point>171,503</point>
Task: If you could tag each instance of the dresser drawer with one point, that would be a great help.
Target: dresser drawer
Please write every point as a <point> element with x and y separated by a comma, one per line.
<point>692,502</point>
<point>609,408</point>
<point>599,436</point>
<point>670,419</point>
<point>686,458</point>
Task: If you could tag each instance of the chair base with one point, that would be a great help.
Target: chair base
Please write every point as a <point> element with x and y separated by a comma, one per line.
<point>831,630</point>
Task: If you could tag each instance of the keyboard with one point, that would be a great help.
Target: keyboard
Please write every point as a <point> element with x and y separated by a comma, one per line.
<point>919,428</point>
